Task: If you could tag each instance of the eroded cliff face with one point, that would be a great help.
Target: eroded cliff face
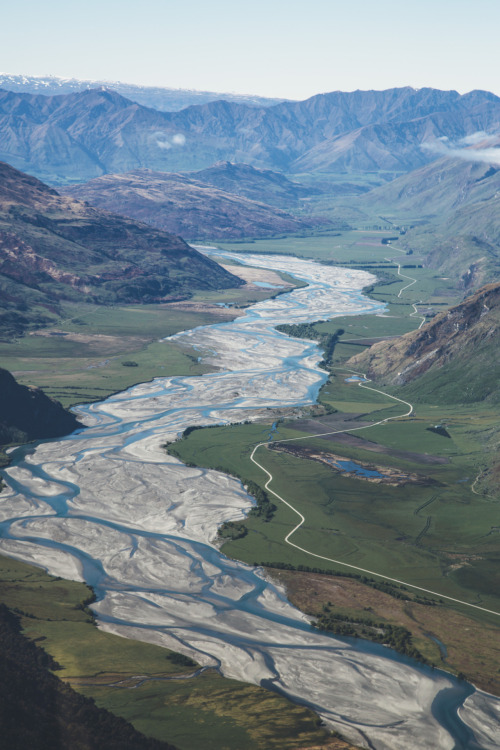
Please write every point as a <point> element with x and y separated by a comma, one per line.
<point>459,345</point>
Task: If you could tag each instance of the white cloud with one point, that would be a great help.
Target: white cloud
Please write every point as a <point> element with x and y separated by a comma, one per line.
<point>461,149</point>
<point>474,138</point>
<point>167,140</point>
<point>163,144</point>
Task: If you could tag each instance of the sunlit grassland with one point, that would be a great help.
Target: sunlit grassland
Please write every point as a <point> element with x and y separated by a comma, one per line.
<point>335,245</point>
<point>94,358</point>
<point>436,535</point>
<point>213,713</point>
<point>76,380</point>
<point>89,366</point>
<point>56,612</point>
<point>457,642</point>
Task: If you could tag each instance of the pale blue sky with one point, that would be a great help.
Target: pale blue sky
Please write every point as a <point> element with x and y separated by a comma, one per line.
<point>269,47</point>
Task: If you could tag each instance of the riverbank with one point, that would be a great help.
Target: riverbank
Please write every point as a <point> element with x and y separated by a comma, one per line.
<point>174,706</point>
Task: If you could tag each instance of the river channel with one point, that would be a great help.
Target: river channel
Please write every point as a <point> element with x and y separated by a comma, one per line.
<point>108,506</point>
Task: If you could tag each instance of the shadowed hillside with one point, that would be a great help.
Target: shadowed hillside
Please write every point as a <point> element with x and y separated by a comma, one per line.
<point>28,414</point>
<point>39,711</point>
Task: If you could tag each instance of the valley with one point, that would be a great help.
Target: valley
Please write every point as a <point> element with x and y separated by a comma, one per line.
<point>285,496</point>
<point>152,398</point>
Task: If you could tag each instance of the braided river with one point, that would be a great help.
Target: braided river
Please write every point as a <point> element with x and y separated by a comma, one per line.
<point>108,506</point>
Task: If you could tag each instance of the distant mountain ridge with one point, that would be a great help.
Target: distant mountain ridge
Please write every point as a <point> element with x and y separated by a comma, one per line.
<point>76,137</point>
<point>185,205</point>
<point>161,98</point>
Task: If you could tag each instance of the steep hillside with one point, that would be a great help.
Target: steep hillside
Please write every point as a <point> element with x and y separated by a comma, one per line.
<point>54,248</point>
<point>452,359</point>
<point>464,245</point>
<point>194,209</point>
<point>76,137</point>
<point>39,711</point>
<point>381,146</point>
<point>441,187</point>
<point>454,207</point>
<point>28,414</point>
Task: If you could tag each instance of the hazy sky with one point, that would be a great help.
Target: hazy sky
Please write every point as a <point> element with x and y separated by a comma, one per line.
<point>281,48</point>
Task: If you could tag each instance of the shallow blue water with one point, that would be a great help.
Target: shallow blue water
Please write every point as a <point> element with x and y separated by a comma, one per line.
<point>352,467</point>
<point>267,285</point>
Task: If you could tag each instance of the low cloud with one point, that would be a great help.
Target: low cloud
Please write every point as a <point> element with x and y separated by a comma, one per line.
<point>163,144</point>
<point>166,141</point>
<point>476,147</point>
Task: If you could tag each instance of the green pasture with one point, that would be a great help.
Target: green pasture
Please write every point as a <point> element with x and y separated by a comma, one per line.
<point>116,346</point>
<point>436,534</point>
<point>55,612</point>
<point>363,249</point>
<point>343,246</point>
<point>81,379</point>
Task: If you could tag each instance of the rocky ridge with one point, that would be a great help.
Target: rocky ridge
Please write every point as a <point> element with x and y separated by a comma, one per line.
<point>82,135</point>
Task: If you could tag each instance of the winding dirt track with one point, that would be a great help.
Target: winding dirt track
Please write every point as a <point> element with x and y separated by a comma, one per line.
<point>302,518</point>
<point>355,429</point>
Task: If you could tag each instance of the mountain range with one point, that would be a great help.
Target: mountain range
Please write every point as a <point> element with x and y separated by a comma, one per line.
<point>194,207</point>
<point>79,136</point>
<point>158,97</point>
<point>54,248</point>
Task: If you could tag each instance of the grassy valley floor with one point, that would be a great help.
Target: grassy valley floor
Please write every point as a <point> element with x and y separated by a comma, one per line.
<point>432,531</point>
<point>432,526</point>
<point>425,527</point>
